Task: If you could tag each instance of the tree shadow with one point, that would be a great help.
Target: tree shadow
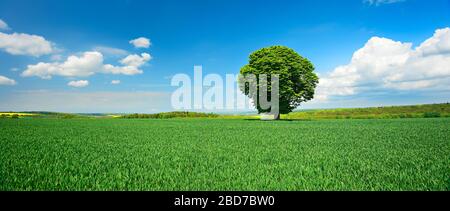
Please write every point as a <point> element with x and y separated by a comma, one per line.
<point>281,120</point>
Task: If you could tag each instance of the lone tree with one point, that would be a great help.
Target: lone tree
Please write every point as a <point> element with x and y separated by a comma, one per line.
<point>297,80</point>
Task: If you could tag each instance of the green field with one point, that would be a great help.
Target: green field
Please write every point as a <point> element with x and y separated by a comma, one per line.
<point>214,154</point>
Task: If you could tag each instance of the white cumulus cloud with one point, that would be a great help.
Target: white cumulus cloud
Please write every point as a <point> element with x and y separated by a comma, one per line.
<point>124,70</point>
<point>78,84</point>
<point>392,65</point>
<point>130,64</point>
<point>438,44</point>
<point>75,66</point>
<point>136,60</point>
<point>89,63</point>
<point>25,44</point>
<point>141,42</point>
<point>7,81</point>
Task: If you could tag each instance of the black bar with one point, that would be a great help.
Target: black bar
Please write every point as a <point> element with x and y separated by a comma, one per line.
<point>226,200</point>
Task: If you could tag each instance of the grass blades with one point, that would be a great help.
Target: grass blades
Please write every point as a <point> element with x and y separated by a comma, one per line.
<point>211,154</point>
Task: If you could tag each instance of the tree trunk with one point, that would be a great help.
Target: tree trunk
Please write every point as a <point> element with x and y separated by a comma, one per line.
<point>277,116</point>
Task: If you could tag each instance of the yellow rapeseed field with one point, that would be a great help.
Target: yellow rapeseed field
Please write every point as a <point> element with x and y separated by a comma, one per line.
<point>20,114</point>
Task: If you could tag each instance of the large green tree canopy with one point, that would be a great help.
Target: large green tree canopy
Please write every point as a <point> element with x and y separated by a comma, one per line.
<point>297,80</point>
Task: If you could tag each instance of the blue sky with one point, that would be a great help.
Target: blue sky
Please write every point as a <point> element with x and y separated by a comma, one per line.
<point>219,35</point>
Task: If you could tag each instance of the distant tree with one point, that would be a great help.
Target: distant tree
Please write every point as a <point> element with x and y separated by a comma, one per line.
<point>15,116</point>
<point>297,80</point>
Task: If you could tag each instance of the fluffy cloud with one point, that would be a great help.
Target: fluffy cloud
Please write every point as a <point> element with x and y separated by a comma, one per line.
<point>78,84</point>
<point>86,65</point>
<point>380,2</point>
<point>136,60</point>
<point>25,44</point>
<point>391,65</point>
<point>141,42</point>
<point>438,44</point>
<point>3,25</point>
<point>115,82</point>
<point>130,64</point>
<point>124,70</point>
<point>6,81</point>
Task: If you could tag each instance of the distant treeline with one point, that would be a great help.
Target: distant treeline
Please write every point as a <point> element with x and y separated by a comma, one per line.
<point>392,112</point>
<point>170,115</point>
